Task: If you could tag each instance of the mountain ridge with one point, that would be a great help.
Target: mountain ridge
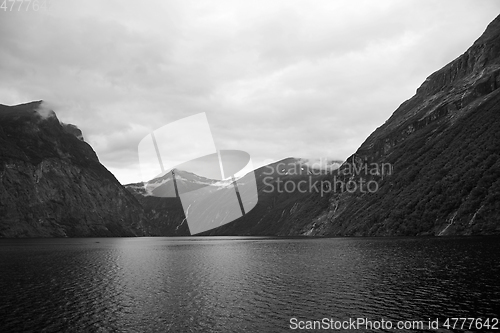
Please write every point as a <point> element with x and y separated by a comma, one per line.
<point>441,185</point>
<point>52,183</point>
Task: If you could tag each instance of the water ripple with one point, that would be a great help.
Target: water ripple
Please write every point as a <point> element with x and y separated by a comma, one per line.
<point>238,284</point>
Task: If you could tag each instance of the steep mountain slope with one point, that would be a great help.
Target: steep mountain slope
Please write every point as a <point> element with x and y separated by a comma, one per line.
<point>444,147</point>
<point>52,184</point>
<point>290,193</point>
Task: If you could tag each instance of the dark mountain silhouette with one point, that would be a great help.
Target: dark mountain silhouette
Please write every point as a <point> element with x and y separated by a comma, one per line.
<point>52,184</point>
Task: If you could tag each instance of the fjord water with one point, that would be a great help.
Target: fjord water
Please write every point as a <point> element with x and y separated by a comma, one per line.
<point>241,284</point>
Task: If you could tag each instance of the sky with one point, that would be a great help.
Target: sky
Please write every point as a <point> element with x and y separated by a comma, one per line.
<point>276,79</point>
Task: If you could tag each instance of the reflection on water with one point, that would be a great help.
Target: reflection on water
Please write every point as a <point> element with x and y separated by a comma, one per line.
<point>238,284</point>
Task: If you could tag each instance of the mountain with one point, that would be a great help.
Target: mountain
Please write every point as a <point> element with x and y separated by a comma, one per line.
<point>163,210</point>
<point>279,210</point>
<point>289,193</point>
<point>443,145</point>
<point>52,184</point>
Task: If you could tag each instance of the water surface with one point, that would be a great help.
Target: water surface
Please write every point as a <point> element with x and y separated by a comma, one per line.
<point>241,284</point>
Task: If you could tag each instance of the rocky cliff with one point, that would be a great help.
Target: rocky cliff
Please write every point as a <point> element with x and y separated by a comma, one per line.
<point>52,184</point>
<point>443,145</point>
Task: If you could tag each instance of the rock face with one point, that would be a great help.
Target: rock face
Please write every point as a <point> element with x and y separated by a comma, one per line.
<point>52,184</point>
<point>444,147</point>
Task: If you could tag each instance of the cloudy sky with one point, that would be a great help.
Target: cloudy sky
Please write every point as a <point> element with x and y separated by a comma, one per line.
<point>307,79</point>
